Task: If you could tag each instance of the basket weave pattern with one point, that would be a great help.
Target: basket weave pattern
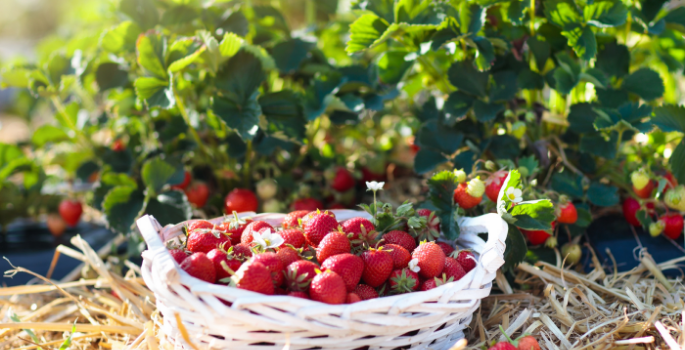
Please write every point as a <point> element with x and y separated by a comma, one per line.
<point>223,317</point>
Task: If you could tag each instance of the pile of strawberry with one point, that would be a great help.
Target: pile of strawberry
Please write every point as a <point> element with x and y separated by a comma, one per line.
<point>313,256</point>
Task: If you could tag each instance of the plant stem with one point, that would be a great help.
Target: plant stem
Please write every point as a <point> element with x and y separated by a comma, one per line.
<point>532,20</point>
<point>186,118</point>
<point>246,166</point>
<point>63,113</point>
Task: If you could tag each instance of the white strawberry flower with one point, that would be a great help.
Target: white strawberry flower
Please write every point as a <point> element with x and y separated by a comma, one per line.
<point>374,186</point>
<point>266,239</point>
<point>414,265</point>
<point>514,194</point>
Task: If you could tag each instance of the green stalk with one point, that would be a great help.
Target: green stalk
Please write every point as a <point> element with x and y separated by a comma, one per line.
<point>193,132</point>
<point>63,113</point>
<point>246,165</point>
<point>532,20</point>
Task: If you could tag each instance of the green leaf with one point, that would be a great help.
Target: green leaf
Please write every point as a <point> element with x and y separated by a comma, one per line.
<point>611,98</point>
<point>599,145</point>
<point>504,147</point>
<point>9,153</point>
<point>288,55</point>
<point>230,45</point>
<point>604,14</point>
<point>151,51</point>
<point>240,77</point>
<point>565,82</point>
<point>584,217</point>
<point>426,160</point>
<point>457,104</point>
<point>15,77</point>
<point>285,115</point>
<point>505,86</point>
<point>465,77</point>
<point>485,111</point>
<point>530,163</point>
<point>594,76</point>
<point>568,183</point>
<point>677,162</point>
<point>212,54</point>
<point>529,80</point>
<point>143,12</point>
<point>48,134</point>
<point>169,207</point>
<point>120,38</point>
<point>582,40</point>
<point>365,31</point>
<point>515,250</point>
<point>485,56</point>
<point>541,51</point>
<point>441,188</point>
<point>438,137</point>
<point>392,66</point>
<point>650,8</point>
<point>120,162</point>
<point>534,215</point>
<point>415,12</point>
<point>516,11</point>
<point>645,83</point>
<point>156,173</point>
<point>86,169</point>
<point>181,63</point>
<point>669,118</point>
<point>318,94</point>
<point>179,15</point>
<point>57,66</point>
<point>67,342</point>
<point>110,75</point>
<point>155,92</point>
<point>122,206</point>
<point>602,195</point>
<point>471,17</point>
<point>614,60</point>
<point>242,117</point>
<point>562,13</point>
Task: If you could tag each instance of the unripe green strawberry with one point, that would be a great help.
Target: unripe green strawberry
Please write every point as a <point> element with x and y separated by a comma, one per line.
<point>518,129</point>
<point>476,187</point>
<point>639,178</point>
<point>675,198</point>
<point>571,252</point>
<point>272,205</point>
<point>490,165</point>
<point>266,188</point>
<point>656,228</point>
<point>460,175</point>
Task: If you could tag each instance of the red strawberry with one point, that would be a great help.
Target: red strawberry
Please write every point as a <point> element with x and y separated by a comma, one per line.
<point>365,292</point>
<point>411,142</point>
<point>199,266</point>
<point>254,227</point>
<point>197,194</point>
<point>70,211</point>
<point>646,191</point>
<point>352,298</point>
<point>308,204</point>
<point>299,274</point>
<point>431,259</point>
<point>254,276</point>
<point>673,225</point>
<point>400,256</point>
<point>178,254</point>
<point>199,224</point>
<point>432,230</point>
<point>292,219</point>
<point>446,248</point>
<point>404,281</point>
<point>672,182</point>
<point>241,200</point>
<point>378,266</point>
<point>536,237</point>
<point>434,282</point>
<point>528,343</point>
<point>453,269</point>
<point>234,227</point>
<point>328,287</point>
<point>203,240</point>
<point>464,199</point>
<point>348,266</point>
<point>359,229</point>
<point>312,214</point>
<point>118,145</point>
<point>242,251</point>
<point>217,256</point>
<point>273,264</point>
<point>400,238</point>
<point>502,346</point>
<point>332,244</point>
<point>467,260</point>
<point>186,181</point>
<point>287,255</point>
<point>630,209</point>
<point>343,180</point>
<point>368,175</point>
<point>296,294</point>
<point>567,213</point>
<point>494,185</point>
<point>280,291</point>
<point>318,226</point>
<point>294,237</point>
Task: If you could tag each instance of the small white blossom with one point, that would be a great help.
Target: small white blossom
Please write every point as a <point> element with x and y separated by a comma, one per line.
<point>414,265</point>
<point>267,239</point>
<point>514,194</point>
<point>374,186</point>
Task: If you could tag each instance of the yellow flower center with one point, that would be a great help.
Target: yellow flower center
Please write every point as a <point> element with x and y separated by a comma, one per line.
<point>512,196</point>
<point>267,241</point>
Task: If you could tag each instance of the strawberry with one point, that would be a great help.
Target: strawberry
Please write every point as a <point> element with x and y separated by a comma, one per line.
<point>267,188</point>
<point>294,237</point>
<point>254,276</point>
<point>464,198</point>
<point>287,255</point>
<point>70,211</point>
<point>199,224</point>
<point>640,180</point>
<point>672,182</point>
<point>571,252</point>
<point>359,230</point>
<point>431,259</point>
<point>242,251</point>
<point>297,294</point>
<point>404,281</point>
<point>528,343</point>
<point>656,228</point>
<point>630,209</point>
<point>494,185</point>
<point>343,180</point>
<point>234,227</point>
<point>56,225</point>
<point>318,226</point>
<point>219,256</point>
<point>292,219</point>
<point>567,213</point>
<point>328,287</point>
<point>446,248</point>
<point>203,240</point>
<point>118,145</point>
<point>254,227</point>
<point>240,200</point>
<point>308,204</point>
<point>348,266</point>
<point>352,298</point>
<point>673,225</point>
<point>197,194</point>
<point>369,175</point>
<point>537,237</point>
<point>332,244</point>
<point>502,346</point>
<point>378,266</point>
<point>467,260</point>
<point>299,274</point>
<point>178,254</point>
<point>365,292</point>
<point>400,238</point>
<point>413,147</point>
<point>646,191</point>
<point>453,269</point>
<point>199,266</point>
<point>400,256</point>
<point>186,181</point>
<point>434,282</point>
<point>273,264</point>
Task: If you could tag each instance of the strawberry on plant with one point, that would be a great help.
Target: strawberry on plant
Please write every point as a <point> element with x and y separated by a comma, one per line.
<point>308,204</point>
<point>70,211</point>
<point>318,226</point>
<point>328,287</point>
<point>494,183</point>
<point>273,264</point>
<point>656,228</point>
<point>446,248</point>
<point>365,292</point>
<point>293,236</point>
<point>453,269</point>
<point>287,255</point>
<point>197,194</point>
<point>254,227</point>
<point>469,194</point>
<point>537,237</point>
<point>359,230</point>
<point>118,145</point>
<point>332,244</point>
<point>673,225</point>
<point>378,266</point>
<point>240,200</point>
<point>404,281</point>
<point>630,208</point>
<point>466,259</point>
<point>178,254</point>
<point>224,262</point>
<point>671,181</point>
<point>400,256</point>
<point>567,213</point>
<point>400,238</point>
<point>431,259</point>
<point>299,275</point>
<point>296,294</point>
<point>56,225</point>
<point>352,298</point>
<point>343,180</point>
<point>459,175</point>
<point>675,198</point>
<point>254,276</point>
<point>571,252</point>
<point>266,189</point>
<point>186,181</point>
<point>203,240</point>
<point>431,231</point>
<point>199,266</point>
<point>348,266</point>
<point>642,184</point>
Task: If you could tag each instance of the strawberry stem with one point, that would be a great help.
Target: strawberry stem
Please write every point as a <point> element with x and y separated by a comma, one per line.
<point>506,335</point>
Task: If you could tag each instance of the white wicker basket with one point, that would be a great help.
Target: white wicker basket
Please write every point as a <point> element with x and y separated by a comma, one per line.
<point>433,319</point>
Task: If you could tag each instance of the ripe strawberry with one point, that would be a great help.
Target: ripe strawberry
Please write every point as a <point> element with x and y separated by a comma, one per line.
<point>434,282</point>
<point>254,276</point>
<point>446,248</point>
<point>178,254</point>
<point>528,343</point>
<point>378,266</point>
<point>348,266</point>
<point>273,264</point>
<point>630,209</point>
<point>404,281</point>
<point>234,227</point>
<point>646,192</point>
<point>537,237</point>
<point>56,225</point>
<point>203,240</point>
<point>197,194</point>
<point>242,251</point>
<point>494,185</point>
<point>401,239</point>
<point>308,204</point>
<point>328,287</point>
<point>332,244</point>
<point>567,213</point>
<point>318,226</point>
<point>352,298</point>
<point>280,291</point>
<point>453,269</point>
<point>287,255</point>
<point>463,198</point>
<point>254,227</point>
<point>217,256</point>
<point>431,259</point>
<point>673,225</point>
<point>294,237</point>
<point>359,230</point>
<point>400,256</point>
<point>296,294</point>
<point>467,260</point>
<point>413,147</point>
<point>292,219</point>
<point>343,180</point>
<point>70,211</point>
<point>672,182</point>
<point>199,224</point>
<point>199,266</point>
<point>118,145</point>
<point>432,230</point>
<point>312,214</point>
<point>186,181</point>
<point>502,346</point>
<point>240,200</point>
<point>299,274</point>
<point>365,292</point>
